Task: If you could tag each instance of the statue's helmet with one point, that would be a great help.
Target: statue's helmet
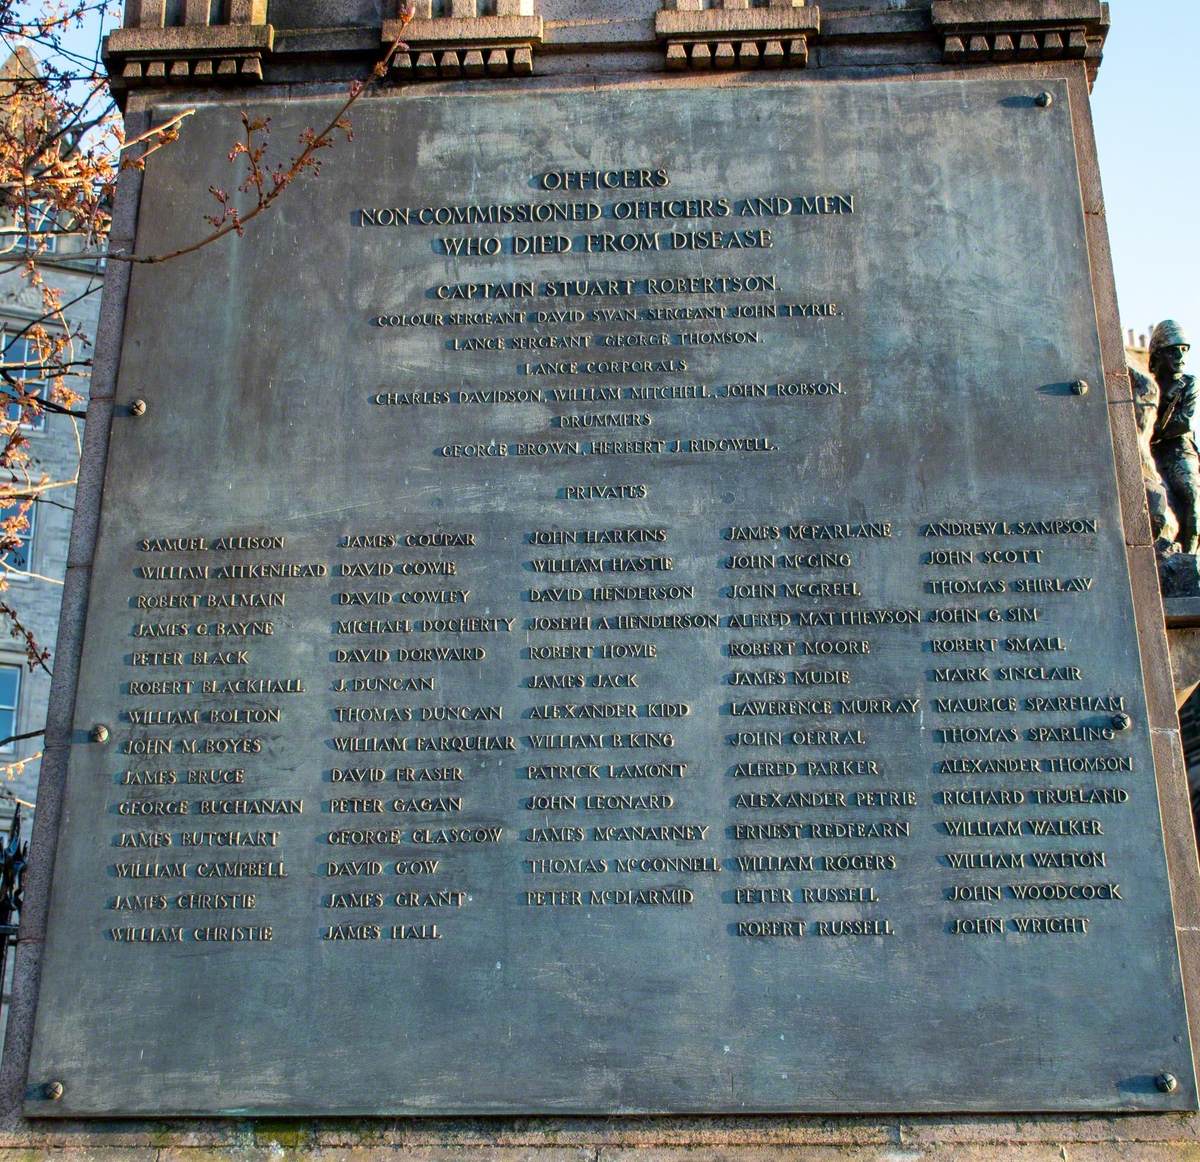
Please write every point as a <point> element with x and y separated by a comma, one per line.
<point>1168,333</point>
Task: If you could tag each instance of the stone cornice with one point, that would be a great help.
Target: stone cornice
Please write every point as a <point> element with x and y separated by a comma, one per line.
<point>998,31</point>
<point>445,47</point>
<point>735,35</point>
<point>145,52</point>
<point>242,48</point>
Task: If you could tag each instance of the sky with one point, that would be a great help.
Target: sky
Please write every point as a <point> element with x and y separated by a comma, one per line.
<point>1146,106</point>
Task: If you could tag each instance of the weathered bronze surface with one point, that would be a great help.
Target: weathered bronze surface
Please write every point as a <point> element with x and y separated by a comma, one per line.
<point>651,633</point>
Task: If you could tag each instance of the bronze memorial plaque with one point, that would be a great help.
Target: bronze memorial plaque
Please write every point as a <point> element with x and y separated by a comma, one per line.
<point>615,605</point>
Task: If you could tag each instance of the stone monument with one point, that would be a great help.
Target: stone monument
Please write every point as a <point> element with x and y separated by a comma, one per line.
<point>615,599</point>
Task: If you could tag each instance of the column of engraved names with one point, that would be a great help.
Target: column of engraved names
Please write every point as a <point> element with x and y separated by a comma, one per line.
<point>416,726</point>
<point>1033,765</point>
<point>202,846</point>
<point>603,650</point>
<point>616,821</point>
<point>820,724</point>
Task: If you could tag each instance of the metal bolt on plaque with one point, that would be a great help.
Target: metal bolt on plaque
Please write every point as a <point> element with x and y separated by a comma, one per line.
<point>99,733</point>
<point>1044,100</point>
<point>1080,387</point>
<point>1166,1082</point>
<point>138,407</point>
<point>1121,721</point>
<point>53,1090</point>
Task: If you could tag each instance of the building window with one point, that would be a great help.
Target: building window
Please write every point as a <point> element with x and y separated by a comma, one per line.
<point>10,695</point>
<point>20,556</point>
<point>21,354</point>
<point>41,227</point>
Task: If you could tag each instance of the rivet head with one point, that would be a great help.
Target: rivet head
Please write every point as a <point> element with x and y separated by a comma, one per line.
<point>138,407</point>
<point>1166,1082</point>
<point>1080,387</point>
<point>1044,100</point>
<point>1121,721</point>
<point>53,1090</point>
<point>99,733</point>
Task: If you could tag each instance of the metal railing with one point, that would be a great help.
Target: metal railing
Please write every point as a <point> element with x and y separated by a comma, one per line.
<point>14,858</point>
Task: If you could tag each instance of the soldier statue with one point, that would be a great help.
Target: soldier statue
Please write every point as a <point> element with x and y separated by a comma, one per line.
<point>1172,440</point>
<point>1163,525</point>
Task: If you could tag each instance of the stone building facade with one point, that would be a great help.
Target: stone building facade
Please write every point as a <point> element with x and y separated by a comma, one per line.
<point>35,572</point>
